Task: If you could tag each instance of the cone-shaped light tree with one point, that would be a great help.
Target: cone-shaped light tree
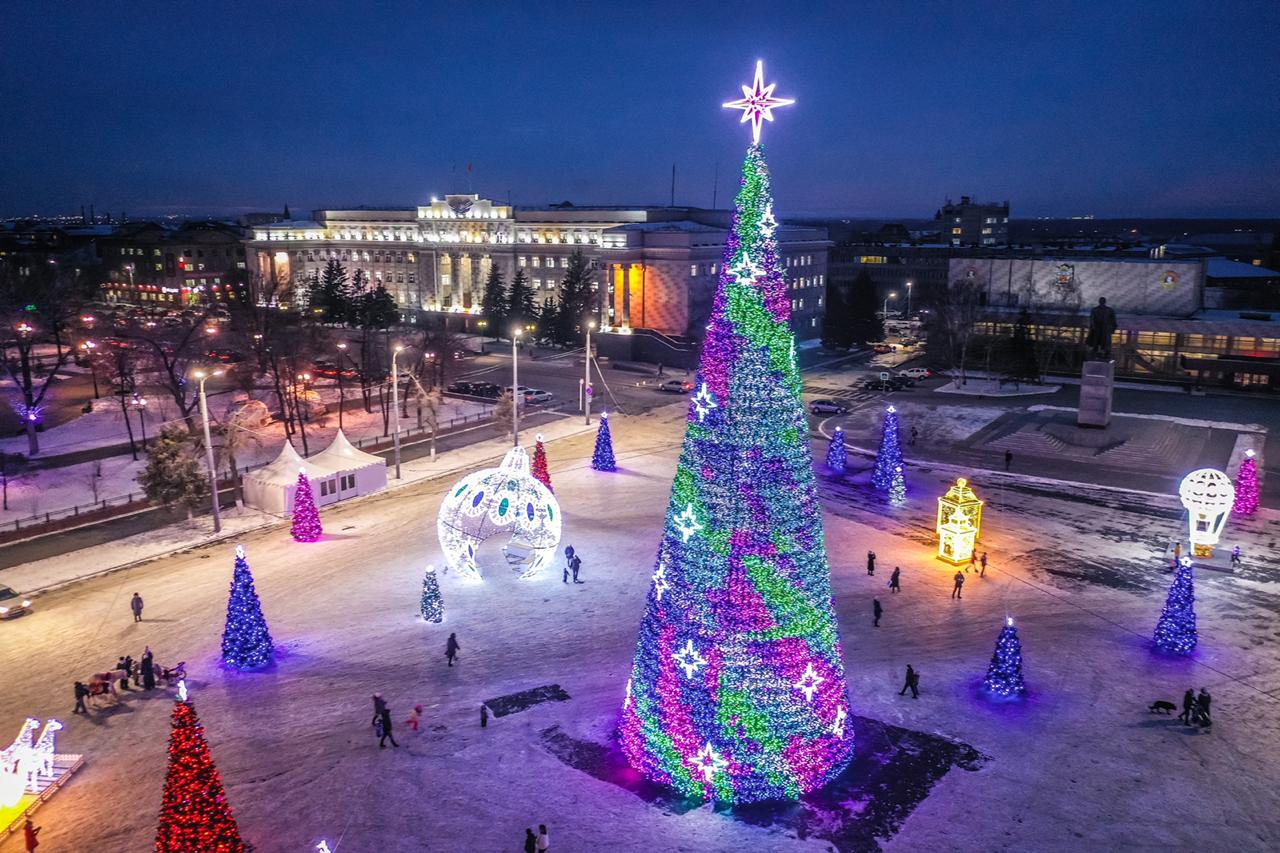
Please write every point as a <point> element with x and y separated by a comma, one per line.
<point>246,642</point>
<point>738,691</point>
<point>890,455</point>
<point>539,467</point>
<point>837,455</point>
<point>602,458</point>
<point>1176,628</point>
<point>1004,675</point>
<point>1247,486</point>
<point>432,601</point>
<point>898,488</point>
<point>306,518</point>
<point>195,816</point>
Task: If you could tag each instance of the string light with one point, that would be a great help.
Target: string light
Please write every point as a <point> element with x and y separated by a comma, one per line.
<point>195,816</point>
<point>1176,628</point>
<point>432,605</point>
<point>539,467</point>
<point>246,642</point>
<point>306,517</point>
<point>1246,502</point>
<point>602,459</point>
<point>837,454</point>
<point>890,453</point>
<point>1004,675</point>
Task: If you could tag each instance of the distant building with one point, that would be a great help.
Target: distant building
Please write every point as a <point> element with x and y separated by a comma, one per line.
<point>973,224</point>
<point>150,265</point>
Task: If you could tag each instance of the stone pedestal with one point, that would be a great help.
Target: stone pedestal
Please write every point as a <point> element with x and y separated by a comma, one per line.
<point>1097,383</point>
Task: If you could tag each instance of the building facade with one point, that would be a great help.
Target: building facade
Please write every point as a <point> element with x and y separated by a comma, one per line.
<point>971,223</point>
<point>150,265</point>
<point>655,268</point>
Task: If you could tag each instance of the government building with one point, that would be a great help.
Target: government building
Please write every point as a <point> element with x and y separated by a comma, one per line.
<point>656,267</point>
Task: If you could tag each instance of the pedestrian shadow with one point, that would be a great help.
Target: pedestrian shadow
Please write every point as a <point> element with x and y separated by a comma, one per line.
<point>1166,723</point>
<point>145,621</point>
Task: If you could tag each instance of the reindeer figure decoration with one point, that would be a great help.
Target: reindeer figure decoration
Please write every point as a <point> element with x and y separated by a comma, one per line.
<point>13,763</point>
<point>39,761</point>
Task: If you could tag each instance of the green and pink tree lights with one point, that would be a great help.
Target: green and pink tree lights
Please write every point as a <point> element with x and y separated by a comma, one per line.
<point>737,691</point>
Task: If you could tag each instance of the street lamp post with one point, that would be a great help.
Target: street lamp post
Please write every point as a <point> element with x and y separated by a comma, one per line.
<point>909,301</point>
<point>208,449</point>
<point>482,324</point>
<point>342,397</point>
<point>139,404</point>
<point>892,295</point>
<point>89,347</point>
<point>515,387</point>
<point>586,380</point>
<point>395,403</point>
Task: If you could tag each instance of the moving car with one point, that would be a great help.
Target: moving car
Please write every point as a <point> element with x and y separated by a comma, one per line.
<point>536,395</point>
<point>881,349</point>
<point>916,373</point>
<point>827,407</point>
<point>676,386</point>
<point>12,604</point>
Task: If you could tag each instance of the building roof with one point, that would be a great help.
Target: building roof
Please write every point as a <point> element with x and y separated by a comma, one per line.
<point>341,456</point>
<point>1226,268</point>
<point>283,471</point>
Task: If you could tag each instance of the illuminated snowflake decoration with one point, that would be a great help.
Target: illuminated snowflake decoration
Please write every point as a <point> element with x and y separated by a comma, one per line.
<point>808,683</point>
<point>687,523</point>
<point>688,659</point>
<point>768,224</point>
<point>660,584</point>
<point>746,271</point>
<point>703,402</point>
<point>837,728</point>
<point>709,762</point>
<point>626,703</point>
<point>758,103</point>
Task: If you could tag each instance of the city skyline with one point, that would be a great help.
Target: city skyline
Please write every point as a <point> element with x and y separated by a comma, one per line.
<point>226,109</point>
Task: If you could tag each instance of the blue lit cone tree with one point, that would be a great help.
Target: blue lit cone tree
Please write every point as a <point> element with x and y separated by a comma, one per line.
<point>246,642</point>
<point>898,488</point>
<point>737,691</point>
<point>1004,675</point>
<point>1176,628</point>
<point>837,454</point>
<point>432,600</point>
<point>889,456</point>
<point>602,459</point>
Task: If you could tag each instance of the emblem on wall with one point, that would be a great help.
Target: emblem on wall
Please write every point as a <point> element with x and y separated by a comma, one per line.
<point>1168,279</point>
<point>1064,280</point>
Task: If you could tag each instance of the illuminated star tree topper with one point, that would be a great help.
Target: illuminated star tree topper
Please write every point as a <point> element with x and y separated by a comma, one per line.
<point>757,104</point>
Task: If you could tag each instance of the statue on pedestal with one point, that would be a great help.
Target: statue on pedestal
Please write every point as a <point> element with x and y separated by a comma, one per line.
<point>1102,325</point>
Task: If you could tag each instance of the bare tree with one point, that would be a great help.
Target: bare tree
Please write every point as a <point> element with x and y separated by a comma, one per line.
<point>94,477</point>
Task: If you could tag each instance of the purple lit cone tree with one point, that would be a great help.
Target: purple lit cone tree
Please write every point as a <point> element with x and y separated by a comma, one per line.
<point>602,459</point>
<point>837,453</point>
<point>306,517</point>
<point>738,690</point>
<point>1247,486</point>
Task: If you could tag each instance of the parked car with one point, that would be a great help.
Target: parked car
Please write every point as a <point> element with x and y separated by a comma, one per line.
<point>12,604</point>
<point>827,407</point>
<point>460,387</point>
<point>881,349</point>
<point>536,395</point>
<point>916,373</point>
<point>676,386</point>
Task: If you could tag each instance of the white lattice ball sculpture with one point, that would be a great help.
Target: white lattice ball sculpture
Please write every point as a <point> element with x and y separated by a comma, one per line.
<point>500,500</point>
<point>1208,496</point>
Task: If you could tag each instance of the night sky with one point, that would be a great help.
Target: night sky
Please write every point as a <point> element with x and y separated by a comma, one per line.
<point>1112,109</point>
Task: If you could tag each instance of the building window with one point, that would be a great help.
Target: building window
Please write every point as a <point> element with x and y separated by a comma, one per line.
<point>537,285</point>
<point>521,261</point>
<point>693,271</point>
<point>873,259</point>
<point>537,262</point>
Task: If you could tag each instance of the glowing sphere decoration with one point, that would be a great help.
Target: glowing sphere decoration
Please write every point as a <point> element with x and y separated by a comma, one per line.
<point>1208,497</point>
<point>506,499</point>
<point>959,522</point>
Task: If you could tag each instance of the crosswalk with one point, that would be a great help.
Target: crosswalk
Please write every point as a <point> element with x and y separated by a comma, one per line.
<point>856,395</point>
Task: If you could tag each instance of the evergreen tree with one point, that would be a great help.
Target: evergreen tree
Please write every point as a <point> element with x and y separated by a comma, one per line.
<point>602,458</point>
<point>306,516</point>
<point>378,308</point>
<point>246,642</point>
<point>1246,502</point>
<point>520,308</point>
<point>494,303</point>
<point>432,601</point>
<point>1176,629</point>
<point>1020,363</point>
<point>575,301</point>
<point>539,467</point>
<point>738,690</point>
<point>1004,675</point>
<point>837,455</point>
<point>837,320</point>
<point>356,291</point>
<point>195,816</point>
<point>890,454</point>
<point>863,310</point>
<point>331,298</point>
<point>548,316</point>
<point>172,476</point>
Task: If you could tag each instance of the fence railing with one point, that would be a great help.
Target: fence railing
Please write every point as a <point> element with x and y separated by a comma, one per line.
<point>37,519</point>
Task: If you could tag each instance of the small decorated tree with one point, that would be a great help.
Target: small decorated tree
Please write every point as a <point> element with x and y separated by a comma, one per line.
<point>306,517</point>
<point>898,488</point>
<point>836,452</point>
<point>1004,675</point>
<point>1247,486</point>
<point>539,467</point>
<point>432,601</point>
<point>602,458</point>
<point>1176,628</point>
<point>890,455</point>
<point>246,642</point>
<point>195,816</point>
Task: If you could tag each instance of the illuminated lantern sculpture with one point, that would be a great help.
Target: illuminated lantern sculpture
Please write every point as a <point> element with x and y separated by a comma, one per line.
<point>959,521</point>
<point>1208,496</point>
<point>497,500</point>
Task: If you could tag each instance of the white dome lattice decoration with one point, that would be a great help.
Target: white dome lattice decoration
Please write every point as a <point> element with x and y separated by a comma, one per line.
<point>495,500</point>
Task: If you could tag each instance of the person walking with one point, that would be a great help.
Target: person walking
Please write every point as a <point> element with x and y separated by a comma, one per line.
<point>1008,459</point>
<point>379,704</point>
<point>530,842</point>
<point>895,580</point>
<point>1202,708</point>
<point>1235,556</point>
<point>910,683</point>
<point>451,648</point>
<point>414,719</point>
<point>983,561</point>
<point>484,716</point>
<point>135,604</point>
<point>955,593</point>
<point>382,726</point>
<point>871,562</point>
<point>577,564</point>
<point>973,562</point>
<point>148,673</point>
<point>876,610</point>
<point>1188,706</point>
<point>544,840</point>
<point>568,561</point>
<point>915,433</point>
<point>82,693</point>
<point>124,665</point>
<point>29,833</point>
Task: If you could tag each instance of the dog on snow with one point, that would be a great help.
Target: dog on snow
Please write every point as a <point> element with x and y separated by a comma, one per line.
<point>1160,705</point>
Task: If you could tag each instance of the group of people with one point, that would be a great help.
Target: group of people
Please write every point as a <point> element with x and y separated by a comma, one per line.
<point>572,563</point>
<point>142,672</point>
<point>1195,708</point>
<point>895,579</point>
<point>537,843</point>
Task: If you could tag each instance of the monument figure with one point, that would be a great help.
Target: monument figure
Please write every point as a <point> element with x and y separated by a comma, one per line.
<point>1102,325</point>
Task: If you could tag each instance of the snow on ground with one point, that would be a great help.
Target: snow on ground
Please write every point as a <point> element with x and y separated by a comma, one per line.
<point>936,423</point>
<point>1080,765</point>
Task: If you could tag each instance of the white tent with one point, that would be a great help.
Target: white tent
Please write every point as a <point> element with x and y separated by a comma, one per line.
<point>347,471</point>
<point>270,488</point>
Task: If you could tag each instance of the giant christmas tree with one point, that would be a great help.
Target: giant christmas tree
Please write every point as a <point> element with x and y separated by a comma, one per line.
<point>1176,628</point>
<point>246,642</point>
<point>738,691</point>
<point>194,814</point>
<point>889,456</point>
